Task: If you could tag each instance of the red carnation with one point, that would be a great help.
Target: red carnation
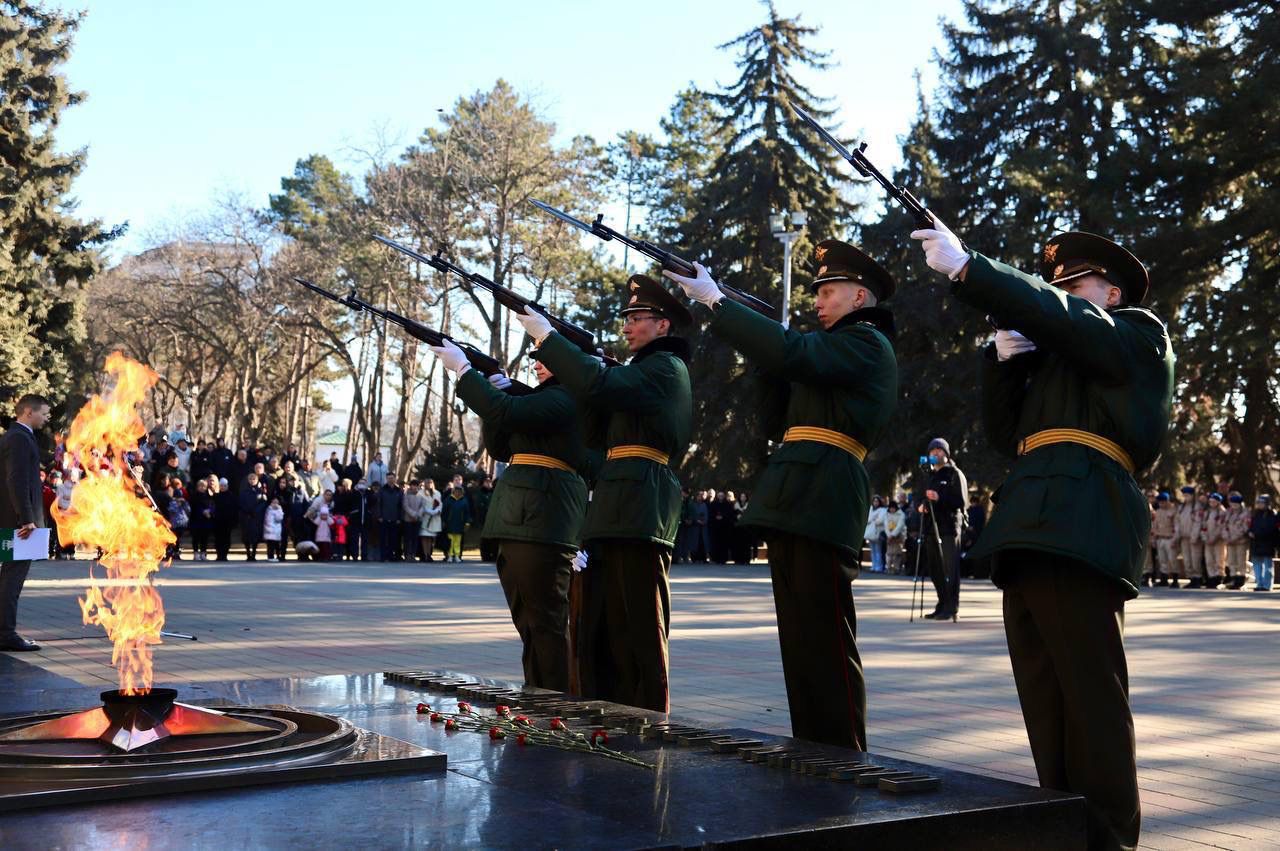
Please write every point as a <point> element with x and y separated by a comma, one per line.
<point>464,707</point>
<point>451,724</point>
<point>496,733</point>
<point>521,739</point>
<point>522,720</point>
<point>436,717</point>
<point>558,724</point>
<point>422,709</point>
<point>503,709</point>
<point>600,735</point>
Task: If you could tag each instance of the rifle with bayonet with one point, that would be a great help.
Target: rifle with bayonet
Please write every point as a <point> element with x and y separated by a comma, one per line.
<point>507,297</point>
<point>478,359</point>
<point>919,212</point>
<point>668,260</point>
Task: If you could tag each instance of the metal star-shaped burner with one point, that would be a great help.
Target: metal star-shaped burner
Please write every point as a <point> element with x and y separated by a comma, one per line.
<point>129,722</point>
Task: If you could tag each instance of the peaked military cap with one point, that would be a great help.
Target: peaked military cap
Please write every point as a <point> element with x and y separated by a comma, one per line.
<point>644,293</point>
<point>1068,256</point>
<point>840,261</point>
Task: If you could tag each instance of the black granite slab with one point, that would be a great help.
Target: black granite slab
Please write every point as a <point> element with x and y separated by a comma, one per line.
<point>502,795</point>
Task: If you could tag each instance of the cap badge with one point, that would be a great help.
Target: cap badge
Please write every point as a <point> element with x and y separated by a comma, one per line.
<point>1057,270</point>
<point>819,253</point>
<point>1051,252</point>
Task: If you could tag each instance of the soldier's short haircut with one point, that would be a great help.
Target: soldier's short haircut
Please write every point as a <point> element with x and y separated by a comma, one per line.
<point>30,402</point>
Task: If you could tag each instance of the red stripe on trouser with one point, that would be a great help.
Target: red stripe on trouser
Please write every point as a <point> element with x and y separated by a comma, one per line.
<point>841,660</point>
<point>662,647</point>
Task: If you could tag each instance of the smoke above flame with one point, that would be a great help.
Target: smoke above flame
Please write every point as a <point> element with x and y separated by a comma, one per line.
<point>109,511</point>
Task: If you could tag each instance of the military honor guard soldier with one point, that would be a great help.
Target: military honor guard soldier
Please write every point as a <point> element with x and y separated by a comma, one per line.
<point>537,507</point>
<point>831,392</point>
<point>1070,526</point>
<point>641,413</point>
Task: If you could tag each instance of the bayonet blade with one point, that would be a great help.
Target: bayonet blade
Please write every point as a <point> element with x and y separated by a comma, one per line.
<point>564,217</point>
<point>831,140</point>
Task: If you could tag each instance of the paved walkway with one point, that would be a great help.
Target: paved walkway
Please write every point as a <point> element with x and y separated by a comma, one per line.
<point>1203,665</point>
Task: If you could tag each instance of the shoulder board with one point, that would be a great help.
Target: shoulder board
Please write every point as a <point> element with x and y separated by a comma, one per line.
<point>1134,312</point>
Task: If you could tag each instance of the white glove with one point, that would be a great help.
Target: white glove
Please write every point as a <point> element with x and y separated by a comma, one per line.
<point>500,380</point>
<point>453,358</point>
<point>535,325</point>
<point>580,561</point>
<point>1010,343</point>
<point>701,288</point>
<point>943,250</point>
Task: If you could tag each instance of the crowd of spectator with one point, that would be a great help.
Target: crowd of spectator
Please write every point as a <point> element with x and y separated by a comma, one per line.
<point>269,502</point>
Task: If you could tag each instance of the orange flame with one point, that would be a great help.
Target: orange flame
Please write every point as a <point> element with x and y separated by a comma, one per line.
<point>108,513</point>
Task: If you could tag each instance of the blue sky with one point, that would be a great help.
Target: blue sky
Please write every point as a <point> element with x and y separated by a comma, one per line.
<point>189,100</point>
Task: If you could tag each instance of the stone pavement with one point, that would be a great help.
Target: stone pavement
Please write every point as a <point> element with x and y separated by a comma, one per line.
<point>1203,676</point>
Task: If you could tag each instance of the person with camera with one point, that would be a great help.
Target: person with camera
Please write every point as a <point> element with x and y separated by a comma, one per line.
<point>946,500</point>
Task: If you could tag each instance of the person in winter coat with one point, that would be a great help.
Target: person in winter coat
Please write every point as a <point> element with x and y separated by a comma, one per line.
<point>412,507</point>
<point>179,516</point>
<point>429,523</point>
<point>253,508</point>
<point>273,530</point>
<point>895,534</point>
<point>226,513</point>
<point>321,514</point>
<point>202,519</point>
<point>1264,536</point>
<point>455,515</point>
<point>875,528</point>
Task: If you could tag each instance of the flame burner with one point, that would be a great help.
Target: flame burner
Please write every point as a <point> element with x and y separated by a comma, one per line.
<point>145,744</point>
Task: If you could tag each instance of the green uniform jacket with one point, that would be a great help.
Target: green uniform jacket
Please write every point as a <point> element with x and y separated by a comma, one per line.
<point>646,402</point>
<point>538,504</point>
<point>1109,372</point>
<point>844,379</point>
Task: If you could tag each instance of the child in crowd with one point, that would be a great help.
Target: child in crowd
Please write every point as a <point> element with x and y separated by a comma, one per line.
<point>273,530</point>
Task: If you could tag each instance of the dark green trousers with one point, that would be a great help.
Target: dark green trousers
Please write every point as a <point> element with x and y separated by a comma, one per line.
<point>817,630</point>
<point>535,579</point>
<point>1064,622</point>
<point>626,618</point>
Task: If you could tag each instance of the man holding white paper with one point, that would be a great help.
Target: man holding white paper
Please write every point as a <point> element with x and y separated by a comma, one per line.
<point>20,507</point>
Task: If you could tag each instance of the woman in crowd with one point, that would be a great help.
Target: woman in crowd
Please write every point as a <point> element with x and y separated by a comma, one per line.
<point>321,514</point>
<point>253,508</point>
<point>202,519</point>
<point>430,524</point>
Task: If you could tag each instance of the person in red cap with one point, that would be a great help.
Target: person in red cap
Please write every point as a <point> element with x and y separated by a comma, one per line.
<point>1077,388</point>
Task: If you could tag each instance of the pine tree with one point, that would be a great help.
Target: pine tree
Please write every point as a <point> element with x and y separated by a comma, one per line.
<point>1230,358</point>
<point>46,253</point>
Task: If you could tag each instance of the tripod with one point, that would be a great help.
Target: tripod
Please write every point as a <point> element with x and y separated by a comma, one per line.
<point>937,543</point>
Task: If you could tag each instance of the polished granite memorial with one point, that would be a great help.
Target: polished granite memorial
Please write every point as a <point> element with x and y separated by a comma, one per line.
<point>498,794</point>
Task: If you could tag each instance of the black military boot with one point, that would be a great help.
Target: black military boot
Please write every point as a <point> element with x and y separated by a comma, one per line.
<point>1194,582</point>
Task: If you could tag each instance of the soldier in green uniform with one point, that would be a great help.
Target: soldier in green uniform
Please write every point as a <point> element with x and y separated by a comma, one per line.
<point>831,393</point>
<point>536,509</point>
<point>641,414</point>
<point>1080,416</point>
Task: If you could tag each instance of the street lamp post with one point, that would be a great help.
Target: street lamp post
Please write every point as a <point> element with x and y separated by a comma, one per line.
<point>778,226</point>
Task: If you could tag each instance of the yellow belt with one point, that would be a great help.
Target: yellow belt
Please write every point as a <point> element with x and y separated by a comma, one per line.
<point>827,436</point>
<point>637,452</point>
<point>540,461</point>
<point>1050,436</point>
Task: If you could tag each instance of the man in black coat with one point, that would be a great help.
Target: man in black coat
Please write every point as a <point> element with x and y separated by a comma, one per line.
<point>945,504</point>
<point>20,507</point>
<point>220,459</point>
